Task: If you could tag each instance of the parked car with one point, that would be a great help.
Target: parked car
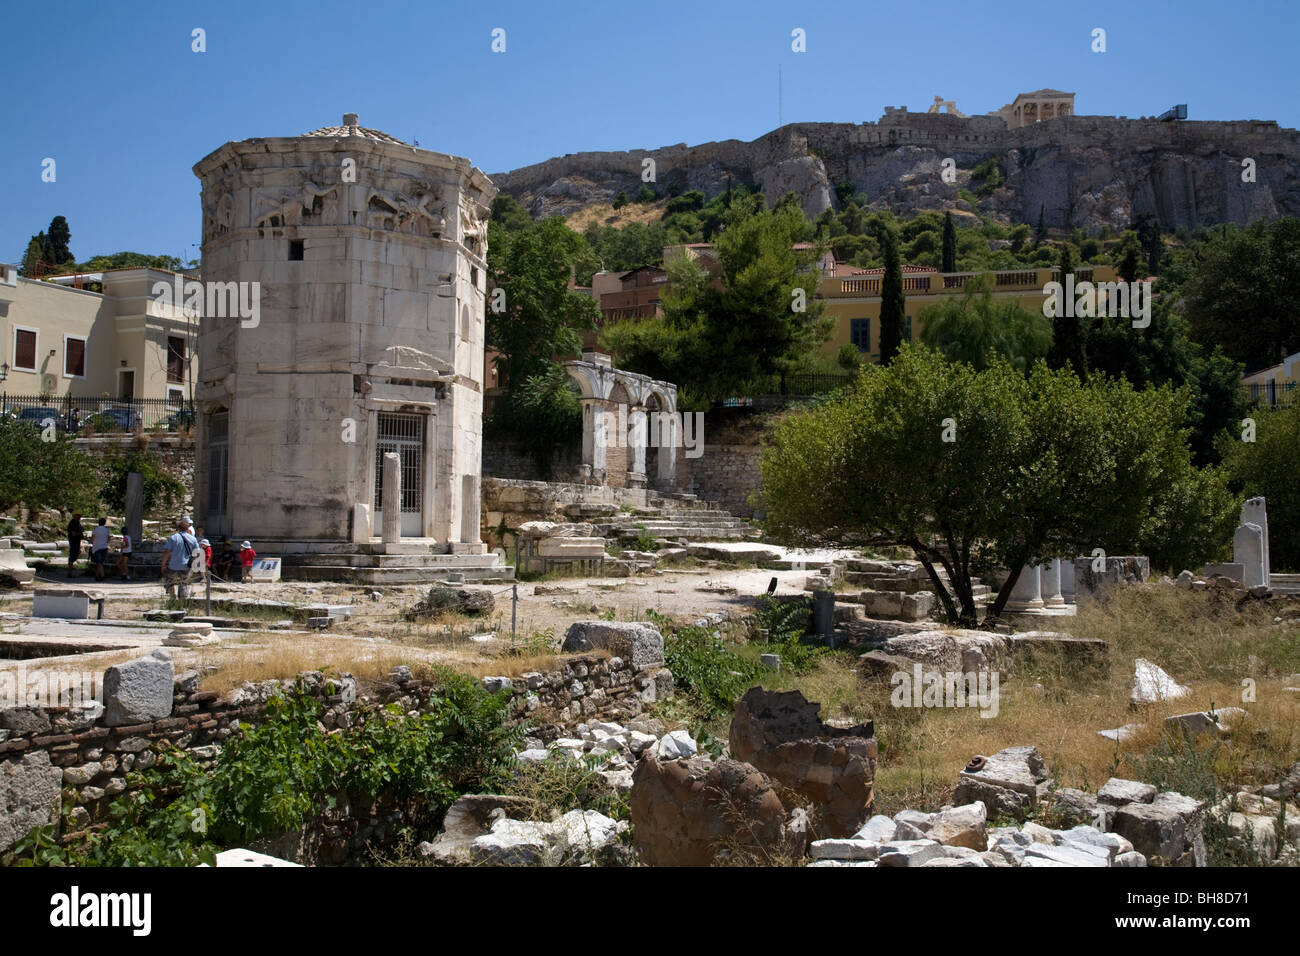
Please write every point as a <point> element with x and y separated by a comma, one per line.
<point>115,418</point>
<point>39,415</point>
<point>184,418</point>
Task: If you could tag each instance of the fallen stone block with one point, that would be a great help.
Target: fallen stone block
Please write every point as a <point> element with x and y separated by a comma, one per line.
<point>1151,684</point>
<point>879,829</point>
<point>1077,855</point>
<point>909,852</point>
<point>847,849</point>
<point>138,691</point>
<point>639,643</point>
<point>1118,792</point>
<point>1009,783</point>
<point>29,796</point>
<point>961,826</point>
<point>687,812</point>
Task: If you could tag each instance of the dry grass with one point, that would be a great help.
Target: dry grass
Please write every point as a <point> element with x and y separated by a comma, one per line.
<point>273,655</point>
<point>606,215</point>
<point>1201,642</point>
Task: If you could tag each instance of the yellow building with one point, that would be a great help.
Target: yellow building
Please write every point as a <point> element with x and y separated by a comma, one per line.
<point>96,336</point>
<point>1276,385</point>
<point>852,297</point>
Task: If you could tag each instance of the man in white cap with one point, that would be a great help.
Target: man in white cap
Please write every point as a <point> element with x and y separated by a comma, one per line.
<point>177,555</point>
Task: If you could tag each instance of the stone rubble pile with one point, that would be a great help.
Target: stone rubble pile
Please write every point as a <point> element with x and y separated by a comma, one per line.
<point>613,749</point>
<point>1128,824</point>
<point>479,831</point>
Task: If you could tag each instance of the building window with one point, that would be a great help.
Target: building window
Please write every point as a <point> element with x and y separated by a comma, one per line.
<point>175,396</point>
<point>907,330</point>
<point>295,250</point>
<point>74,357</point>
<point>25,349</point>
<point>218,461</point>
<point>860,334</point>
<point>175,358</point>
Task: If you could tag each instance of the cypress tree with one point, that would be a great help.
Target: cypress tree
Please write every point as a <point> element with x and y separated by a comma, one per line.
<point>892,304</point>
<point>949,244</point>
<point>1067,333</point>
<point>56,242</point>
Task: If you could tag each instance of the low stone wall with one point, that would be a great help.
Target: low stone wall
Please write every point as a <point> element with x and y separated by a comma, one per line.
<point>503,458</point>
<point>512,502</point>
<point>53,754</point>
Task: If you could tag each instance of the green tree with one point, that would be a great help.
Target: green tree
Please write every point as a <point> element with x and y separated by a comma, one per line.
<point>949,244</point>
<point>892,304</point>
<point>1130,260</point>
<point>729,332</point>
<point>1240,290</point>
<point>43,474</point>
<point>976,327</point>
<point>849,357</point>
<point>978,470</point>
<point>1164,353</point>
<point>56,242</point>
<point>34,256</point>
<point>163,491</point>
<point>509,213</point>
<point>1147,229</point>
<point>1268,467</point>
<point>1067,349</point>
<point>541,318</point>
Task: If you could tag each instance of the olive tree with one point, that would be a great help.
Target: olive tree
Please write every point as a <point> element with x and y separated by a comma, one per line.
<point>976,470</point>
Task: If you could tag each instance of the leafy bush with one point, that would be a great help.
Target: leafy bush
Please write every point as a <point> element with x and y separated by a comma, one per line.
<point>559,785</point>
<point>162,490</point>
<point>40,473</point>
<point>285,772</point>
<point>705,667</point>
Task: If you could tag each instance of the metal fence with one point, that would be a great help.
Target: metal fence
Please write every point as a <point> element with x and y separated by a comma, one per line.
<point>1281,395</point>
<point>97,416</point>
<point>814,383</point>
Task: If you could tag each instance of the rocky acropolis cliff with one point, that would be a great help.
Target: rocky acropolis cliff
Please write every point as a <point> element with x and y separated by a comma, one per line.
<point>1079,171</point>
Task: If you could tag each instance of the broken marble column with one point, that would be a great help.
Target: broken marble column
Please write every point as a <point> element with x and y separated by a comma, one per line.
<point>1027,594</point>
<point>470,511</point>
<point>392,498</point>
<point>135,507</point>
<point>1051,583</point>
<point>823,612</point>
<point>1248,551</point>
<point>1255,511</point>
<point>1067,581</point>
<point>360,523</point>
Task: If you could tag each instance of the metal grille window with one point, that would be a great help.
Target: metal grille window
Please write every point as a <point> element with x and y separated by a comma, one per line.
<point>403,434</point>
<point>218,461</point>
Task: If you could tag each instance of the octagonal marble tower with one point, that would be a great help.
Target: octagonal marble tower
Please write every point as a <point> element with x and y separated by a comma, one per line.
<point>368,256</point>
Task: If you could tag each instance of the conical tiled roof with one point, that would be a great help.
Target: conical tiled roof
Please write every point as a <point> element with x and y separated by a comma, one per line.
<point>351,127</point>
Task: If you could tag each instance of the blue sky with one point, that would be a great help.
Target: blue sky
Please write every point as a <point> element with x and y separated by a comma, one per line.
<point>115,95</point>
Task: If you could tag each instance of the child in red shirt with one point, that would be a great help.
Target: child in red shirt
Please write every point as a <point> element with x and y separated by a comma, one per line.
<point>246,558</point>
